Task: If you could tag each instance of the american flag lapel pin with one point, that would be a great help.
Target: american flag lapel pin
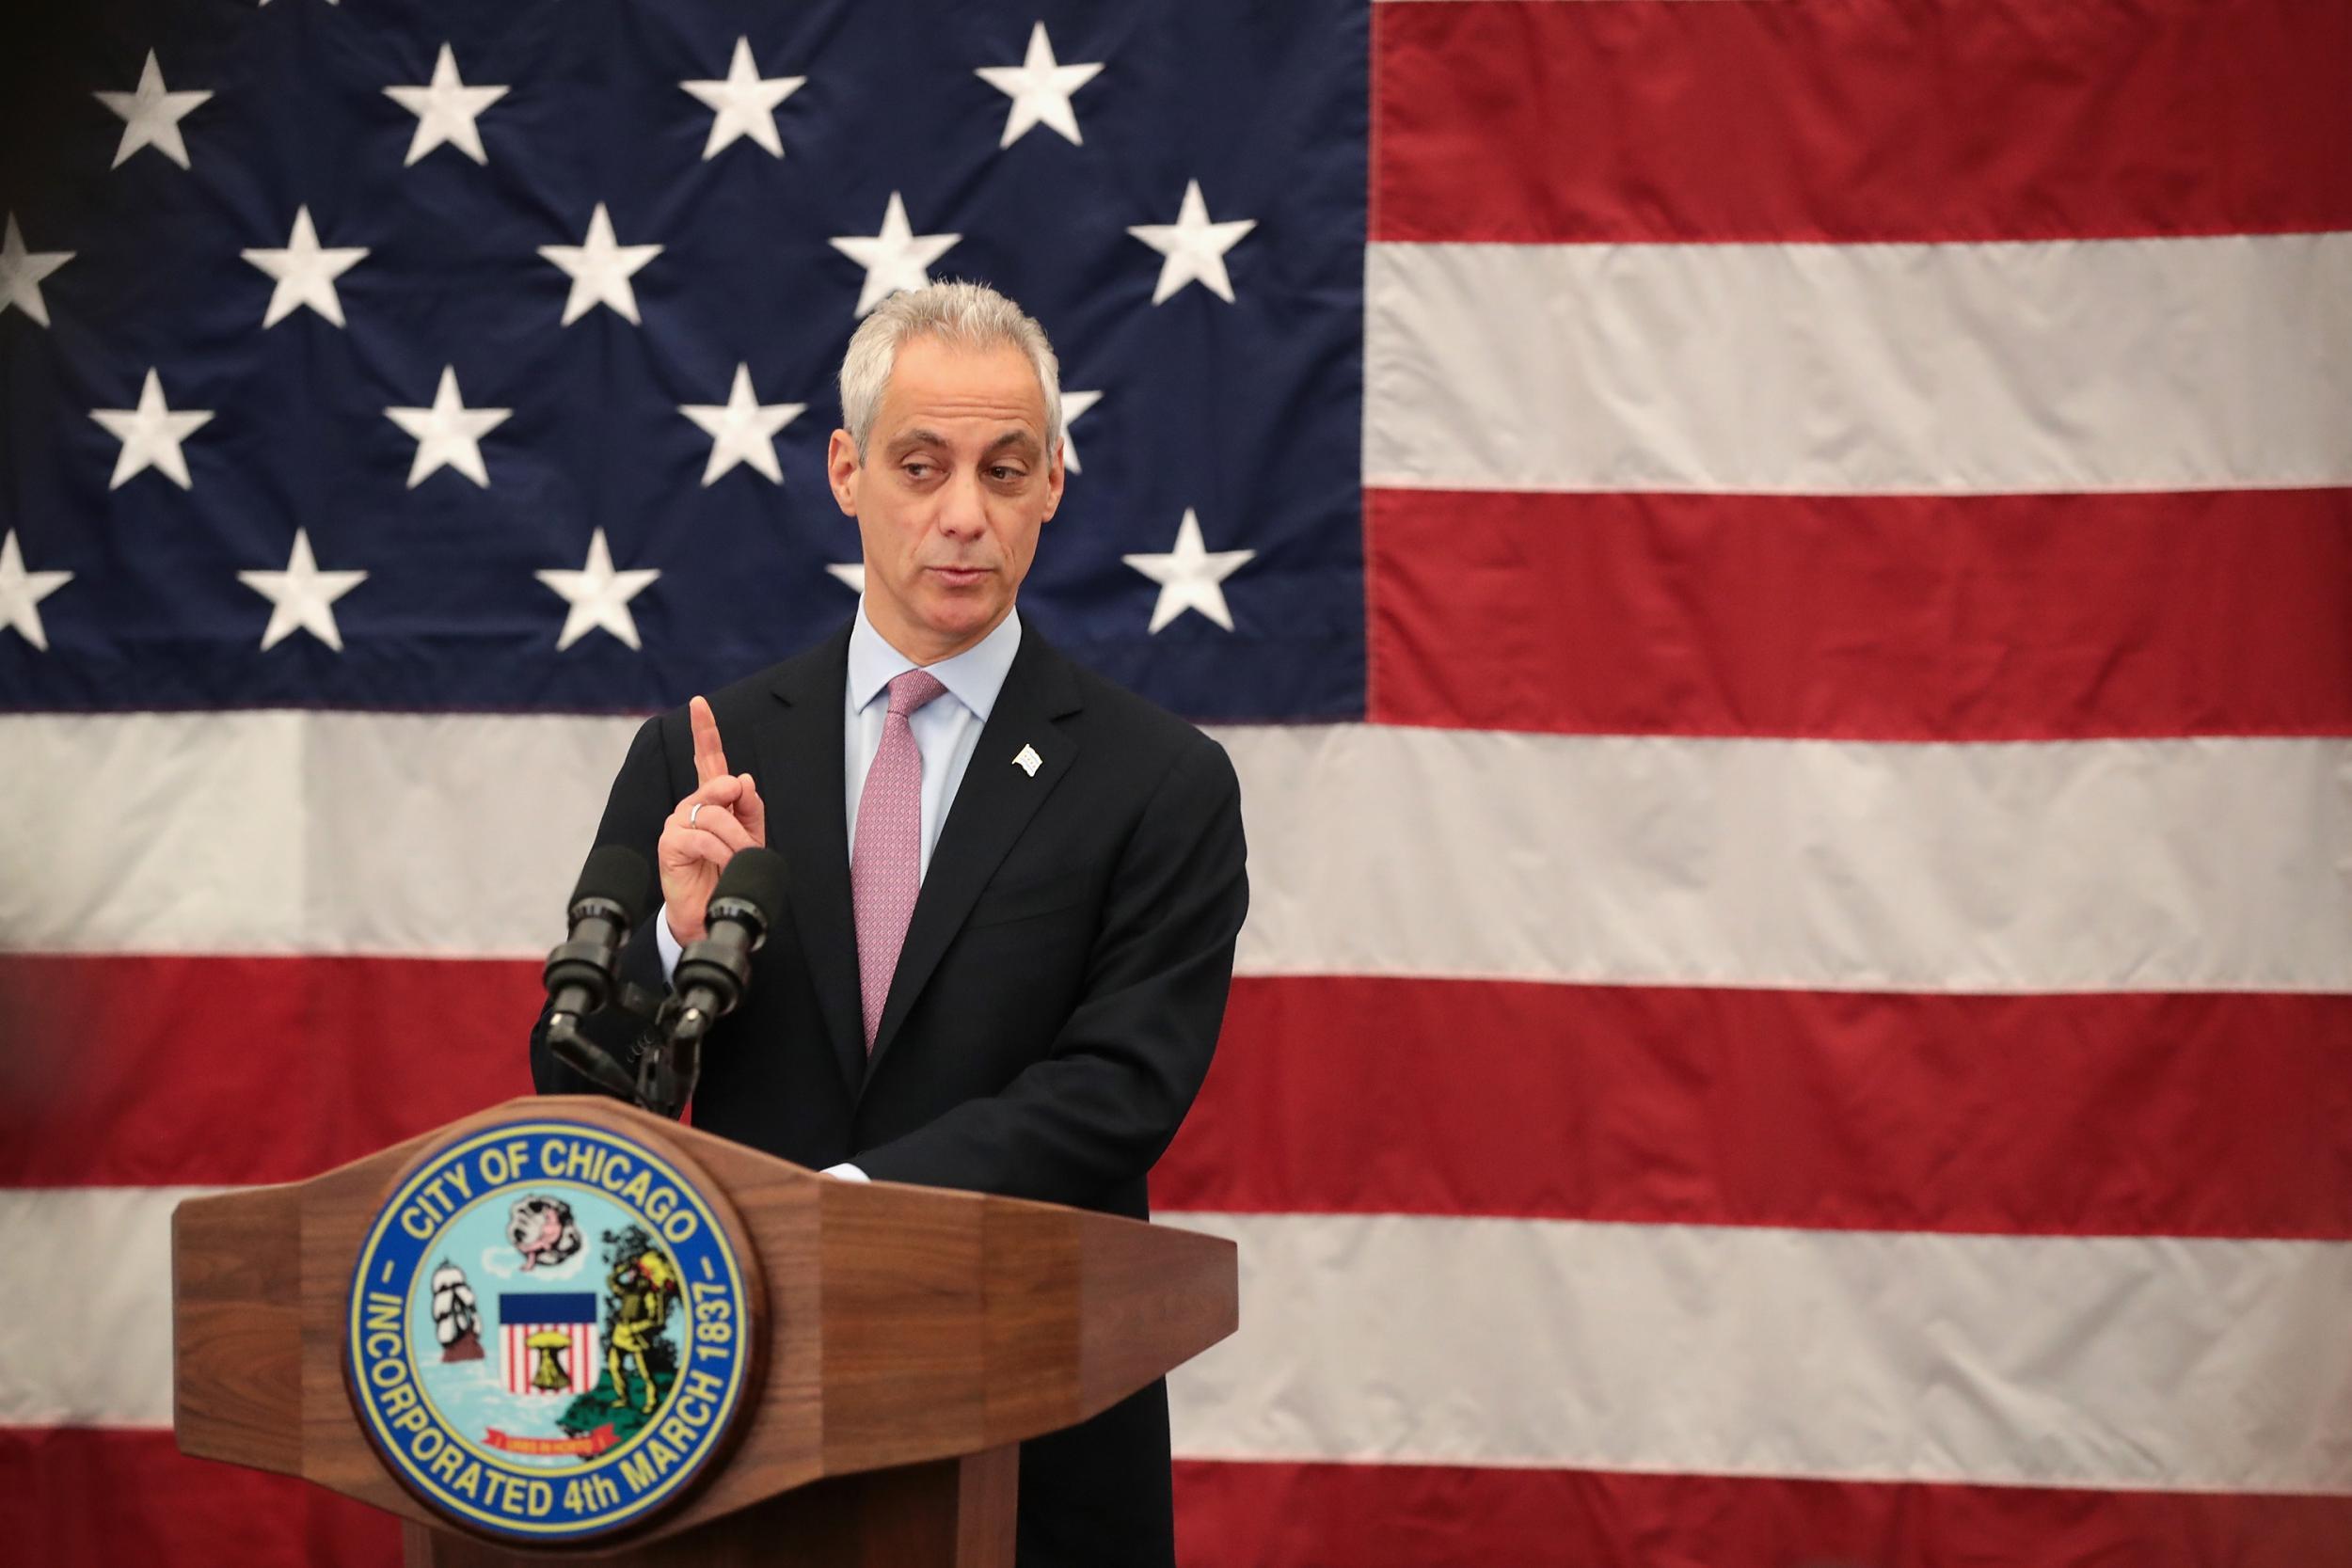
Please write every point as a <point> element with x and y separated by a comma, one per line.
<point>1028,761</point>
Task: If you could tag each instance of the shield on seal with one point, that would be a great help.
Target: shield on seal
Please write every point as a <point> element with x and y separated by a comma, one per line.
<point>547,1341</point>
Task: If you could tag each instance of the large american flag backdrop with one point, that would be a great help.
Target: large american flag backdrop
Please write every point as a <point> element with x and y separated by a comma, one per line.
<point>1778,574</point>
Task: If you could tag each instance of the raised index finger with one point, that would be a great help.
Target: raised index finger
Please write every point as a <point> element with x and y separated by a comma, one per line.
<point>710,757</point>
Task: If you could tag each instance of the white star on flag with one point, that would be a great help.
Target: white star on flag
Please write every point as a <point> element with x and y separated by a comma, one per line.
<point>449,434</point>
<point>1193,247</point>
<point>21,592</point>
<point>151,435</point>
<point>21,270</point>
<point>446,109</point>
<point>601,270</point>
<point>1040,90</point>
<point>1190,576</point>
<point>305,272</point>
<point>598,595</point>
<point>1073,406</point>
<point>742,428</point>
<point>895,258</point>
<point>745,103</point>
<point>850,574</point>
<point>302,598</point>
<point>152,115</point>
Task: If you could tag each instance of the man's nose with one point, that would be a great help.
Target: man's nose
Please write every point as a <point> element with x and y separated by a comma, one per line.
<point>963,508</point>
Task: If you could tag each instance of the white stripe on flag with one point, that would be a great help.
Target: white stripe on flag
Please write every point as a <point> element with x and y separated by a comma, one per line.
<point>2118,1362</point>
<point>2077,866</point>
<point>293,833</point>
<point>2159,364</point>
<point>85,1298</point>
<point>2091,867</point>
<point>1871,1355</point>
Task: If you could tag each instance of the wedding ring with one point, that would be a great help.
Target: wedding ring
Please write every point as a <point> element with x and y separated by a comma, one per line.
<point>696,811</point>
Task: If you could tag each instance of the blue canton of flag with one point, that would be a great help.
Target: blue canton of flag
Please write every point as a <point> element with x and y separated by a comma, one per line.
<point>449,357</point>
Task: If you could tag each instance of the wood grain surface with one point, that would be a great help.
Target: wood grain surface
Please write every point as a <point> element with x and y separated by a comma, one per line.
<point>906,1339</point>
<point>946,1514</point>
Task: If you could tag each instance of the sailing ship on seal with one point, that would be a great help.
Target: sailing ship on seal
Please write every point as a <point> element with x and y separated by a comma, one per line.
<point>456,1321</point>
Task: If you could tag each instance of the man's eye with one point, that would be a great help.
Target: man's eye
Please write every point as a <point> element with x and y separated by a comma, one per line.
<point>1001,473</point>
<point>918,471</point>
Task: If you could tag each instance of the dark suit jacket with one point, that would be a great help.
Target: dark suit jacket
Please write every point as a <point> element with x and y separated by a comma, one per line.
<point>1053,1008</point>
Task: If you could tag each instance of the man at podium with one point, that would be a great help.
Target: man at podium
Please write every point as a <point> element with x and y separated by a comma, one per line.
<point>1015,887</point>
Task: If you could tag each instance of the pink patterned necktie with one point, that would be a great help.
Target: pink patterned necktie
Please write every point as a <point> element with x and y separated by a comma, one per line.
<point>886,859</point>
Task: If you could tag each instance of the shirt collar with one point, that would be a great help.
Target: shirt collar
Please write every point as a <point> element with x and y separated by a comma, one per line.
<point>973,677</point>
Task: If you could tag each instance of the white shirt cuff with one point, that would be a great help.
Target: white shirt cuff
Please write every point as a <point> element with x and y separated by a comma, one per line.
<point>846,1171</point>
<point>666,943</point>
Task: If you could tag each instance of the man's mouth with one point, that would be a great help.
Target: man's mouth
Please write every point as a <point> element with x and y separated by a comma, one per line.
<point>959,577</point>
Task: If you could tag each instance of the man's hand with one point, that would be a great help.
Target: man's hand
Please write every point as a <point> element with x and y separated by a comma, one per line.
<point>724,815</point>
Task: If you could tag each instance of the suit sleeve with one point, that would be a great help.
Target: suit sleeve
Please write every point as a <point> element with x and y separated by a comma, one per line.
<point>642,799</point>
<point>1105,1103</point>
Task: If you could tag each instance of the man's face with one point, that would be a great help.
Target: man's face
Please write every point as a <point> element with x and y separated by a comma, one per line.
<point>948,497</point>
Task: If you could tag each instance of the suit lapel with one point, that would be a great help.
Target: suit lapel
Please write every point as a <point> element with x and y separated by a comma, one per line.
<point>798,747</point>
<point>993,805</point>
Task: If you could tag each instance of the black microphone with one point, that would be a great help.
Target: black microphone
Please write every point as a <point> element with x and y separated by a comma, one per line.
<point>712,975</point>
<point>616,893</point>
<point>712,972</point>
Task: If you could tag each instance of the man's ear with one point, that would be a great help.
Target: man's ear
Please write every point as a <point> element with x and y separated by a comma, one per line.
<point>841,466</point>
<point>1053,482</point>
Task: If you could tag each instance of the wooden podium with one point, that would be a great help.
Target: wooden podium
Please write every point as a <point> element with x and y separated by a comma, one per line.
<point>905,1339</point>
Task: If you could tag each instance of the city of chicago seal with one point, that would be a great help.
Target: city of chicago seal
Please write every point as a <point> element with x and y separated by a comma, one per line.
<point>549,1335</point>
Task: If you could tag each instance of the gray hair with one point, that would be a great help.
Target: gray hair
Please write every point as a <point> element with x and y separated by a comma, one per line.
<point>963,315</point>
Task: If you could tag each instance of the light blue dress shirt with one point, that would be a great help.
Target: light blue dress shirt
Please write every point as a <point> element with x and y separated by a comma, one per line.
<point>945,731</point>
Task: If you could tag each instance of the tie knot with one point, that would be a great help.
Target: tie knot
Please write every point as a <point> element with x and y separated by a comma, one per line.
<point>914,691</point>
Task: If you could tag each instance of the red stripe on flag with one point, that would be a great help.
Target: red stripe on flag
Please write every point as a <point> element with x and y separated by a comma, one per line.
<point>1879,618</point>
<point>79,1497</point>
<point>201,1071</point>
<point>2142,1113</point>
<point>1519,123</point>
<point>1283,1515</point>
<point>2200,1114</point>
<point>166,1510</point>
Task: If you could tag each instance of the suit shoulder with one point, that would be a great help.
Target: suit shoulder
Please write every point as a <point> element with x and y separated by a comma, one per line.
<point>748,695</point>
<point>1141,724</point>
